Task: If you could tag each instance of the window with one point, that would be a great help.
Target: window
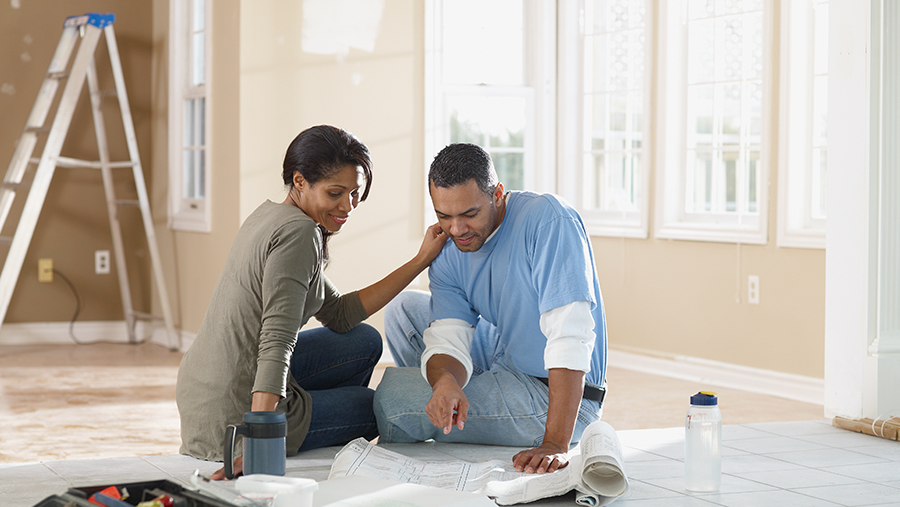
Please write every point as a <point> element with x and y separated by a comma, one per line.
<point>803,117</point>
<point>607,98</point>
<point>490,80</point>
<point>189,207</point>
<point>714,70</point>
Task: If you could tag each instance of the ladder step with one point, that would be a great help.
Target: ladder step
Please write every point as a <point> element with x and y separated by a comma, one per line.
<point>145,316</point>
<point>38,130</point>
<point>5,240</point>
<point>11,185</point>
<point>58,75</point>
<point>92,164</point>
<point>107,93</point>
<point>128,202</point>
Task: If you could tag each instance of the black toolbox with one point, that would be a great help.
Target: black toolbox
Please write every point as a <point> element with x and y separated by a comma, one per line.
<point>137,492</point>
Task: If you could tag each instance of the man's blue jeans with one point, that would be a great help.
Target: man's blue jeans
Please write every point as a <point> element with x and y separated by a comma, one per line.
<point>506,406</point>
<point>335,368</point>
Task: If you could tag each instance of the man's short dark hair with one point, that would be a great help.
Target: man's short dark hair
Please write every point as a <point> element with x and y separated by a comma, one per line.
<point>458,163</point>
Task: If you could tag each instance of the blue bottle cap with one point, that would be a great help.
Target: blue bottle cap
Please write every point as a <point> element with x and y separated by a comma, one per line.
<point>704,398</point>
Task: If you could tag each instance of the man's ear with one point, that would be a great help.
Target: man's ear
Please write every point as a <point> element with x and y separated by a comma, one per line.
<point>498,192</point>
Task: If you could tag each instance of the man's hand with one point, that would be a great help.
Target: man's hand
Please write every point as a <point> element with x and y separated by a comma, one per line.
<point>566,387</point>
<point>219,474</point>
<point>448,406</point>
<point>546,458</point>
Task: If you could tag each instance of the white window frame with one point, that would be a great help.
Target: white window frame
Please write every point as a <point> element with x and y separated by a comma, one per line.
<point>796,225</point>
<point>187,214</point>
<point>540,70</point>
<point>671,220</point>
<point>572,136</point>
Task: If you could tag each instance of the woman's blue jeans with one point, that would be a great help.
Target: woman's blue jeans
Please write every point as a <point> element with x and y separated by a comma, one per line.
<point>335,368</point>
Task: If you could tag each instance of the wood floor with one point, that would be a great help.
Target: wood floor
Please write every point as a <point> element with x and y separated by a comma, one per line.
<point>104,400</point>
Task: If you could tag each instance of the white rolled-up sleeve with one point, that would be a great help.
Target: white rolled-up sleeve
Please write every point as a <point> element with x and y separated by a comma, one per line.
<point>570,336</point>
<point>452,337</point>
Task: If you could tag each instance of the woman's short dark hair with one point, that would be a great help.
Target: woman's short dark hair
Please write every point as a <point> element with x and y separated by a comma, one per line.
<point>456,164</point>
<point>319,152</point>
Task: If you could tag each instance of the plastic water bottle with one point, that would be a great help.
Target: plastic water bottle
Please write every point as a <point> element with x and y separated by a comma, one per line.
<point>703,443</point>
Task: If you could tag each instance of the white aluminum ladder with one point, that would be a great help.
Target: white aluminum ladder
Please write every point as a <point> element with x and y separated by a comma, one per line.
<point>87,29</point>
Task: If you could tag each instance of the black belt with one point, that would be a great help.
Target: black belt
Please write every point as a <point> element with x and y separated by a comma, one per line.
<point>590,392</point>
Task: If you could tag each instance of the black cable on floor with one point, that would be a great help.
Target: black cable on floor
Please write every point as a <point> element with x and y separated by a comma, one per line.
<point>77,306</point>
<point>78,310</point>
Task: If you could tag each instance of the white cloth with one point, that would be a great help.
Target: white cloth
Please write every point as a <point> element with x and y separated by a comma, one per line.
<point>569,330</point>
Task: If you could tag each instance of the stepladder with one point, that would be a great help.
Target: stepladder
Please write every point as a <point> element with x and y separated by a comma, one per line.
<point>48,124</point>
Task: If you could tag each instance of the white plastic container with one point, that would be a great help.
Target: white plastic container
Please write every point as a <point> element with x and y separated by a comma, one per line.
<point>282,491</point>
<point>703,443</point>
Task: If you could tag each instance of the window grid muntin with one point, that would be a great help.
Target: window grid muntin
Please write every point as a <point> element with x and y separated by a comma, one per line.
<point>709,185</point>
<point>616,28</point>
<point>194,105</point>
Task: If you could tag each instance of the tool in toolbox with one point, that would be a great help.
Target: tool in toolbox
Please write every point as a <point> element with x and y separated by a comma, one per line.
<point>86,29</point>
<point>257,490</point>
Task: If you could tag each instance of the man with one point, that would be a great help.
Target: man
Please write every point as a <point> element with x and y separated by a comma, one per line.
<point>514,348</point>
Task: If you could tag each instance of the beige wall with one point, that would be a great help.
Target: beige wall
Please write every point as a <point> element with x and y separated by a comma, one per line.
<point>375,95</point>
<point>663,297</point>
<point>194,260</point>
<point>74,222</point>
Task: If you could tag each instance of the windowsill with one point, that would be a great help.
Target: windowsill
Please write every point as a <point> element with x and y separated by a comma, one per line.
<point>712,233</point>
<point>190,222</point>
<point>807,239</point>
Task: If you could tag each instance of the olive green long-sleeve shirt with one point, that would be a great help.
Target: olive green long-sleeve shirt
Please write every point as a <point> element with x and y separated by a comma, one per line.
<point>270,286</point>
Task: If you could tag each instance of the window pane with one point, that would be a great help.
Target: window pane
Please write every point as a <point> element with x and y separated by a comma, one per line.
<point>188,179</point>
<point>724,106</point>
<point>752,182</point>
<point>483,42</point>
<point>613,105</point>
<point>618,114</point>
<point>198,16</point>
<point>701,44</point>
<point>595,186</point>
<point>201,173</point>
<point>189,122</point>
<point>700,114</point>
<point>730,34</point>
<point>699,182</point>
<point>198,59</point>
<point>731,114</point>
<point>754,99</point>
<point>701,8</point>
<point>510,169</point>
<point>464,130</point>
<point>201,121</point>
<point>730,164</point>
<point>493,122</point>
<point>485,118</point>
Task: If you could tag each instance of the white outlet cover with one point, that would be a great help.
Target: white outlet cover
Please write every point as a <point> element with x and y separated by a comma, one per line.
<point>101,262</point>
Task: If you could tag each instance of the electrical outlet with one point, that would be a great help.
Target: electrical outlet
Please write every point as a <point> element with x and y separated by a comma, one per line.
<point>45,270</point>
<point>101,262</point>
<point>753,290</point>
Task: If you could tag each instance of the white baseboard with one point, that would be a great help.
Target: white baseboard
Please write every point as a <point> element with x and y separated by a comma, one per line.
<point>57,333</point>
<point>715,373</point>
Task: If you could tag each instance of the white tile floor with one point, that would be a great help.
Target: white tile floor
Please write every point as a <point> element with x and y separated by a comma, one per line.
<point>807,463</point>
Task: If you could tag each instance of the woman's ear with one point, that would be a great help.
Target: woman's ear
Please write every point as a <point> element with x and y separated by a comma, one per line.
<point>299,181</point>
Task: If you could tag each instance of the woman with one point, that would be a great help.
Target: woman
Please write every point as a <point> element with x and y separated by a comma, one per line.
<point>248,354</point>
